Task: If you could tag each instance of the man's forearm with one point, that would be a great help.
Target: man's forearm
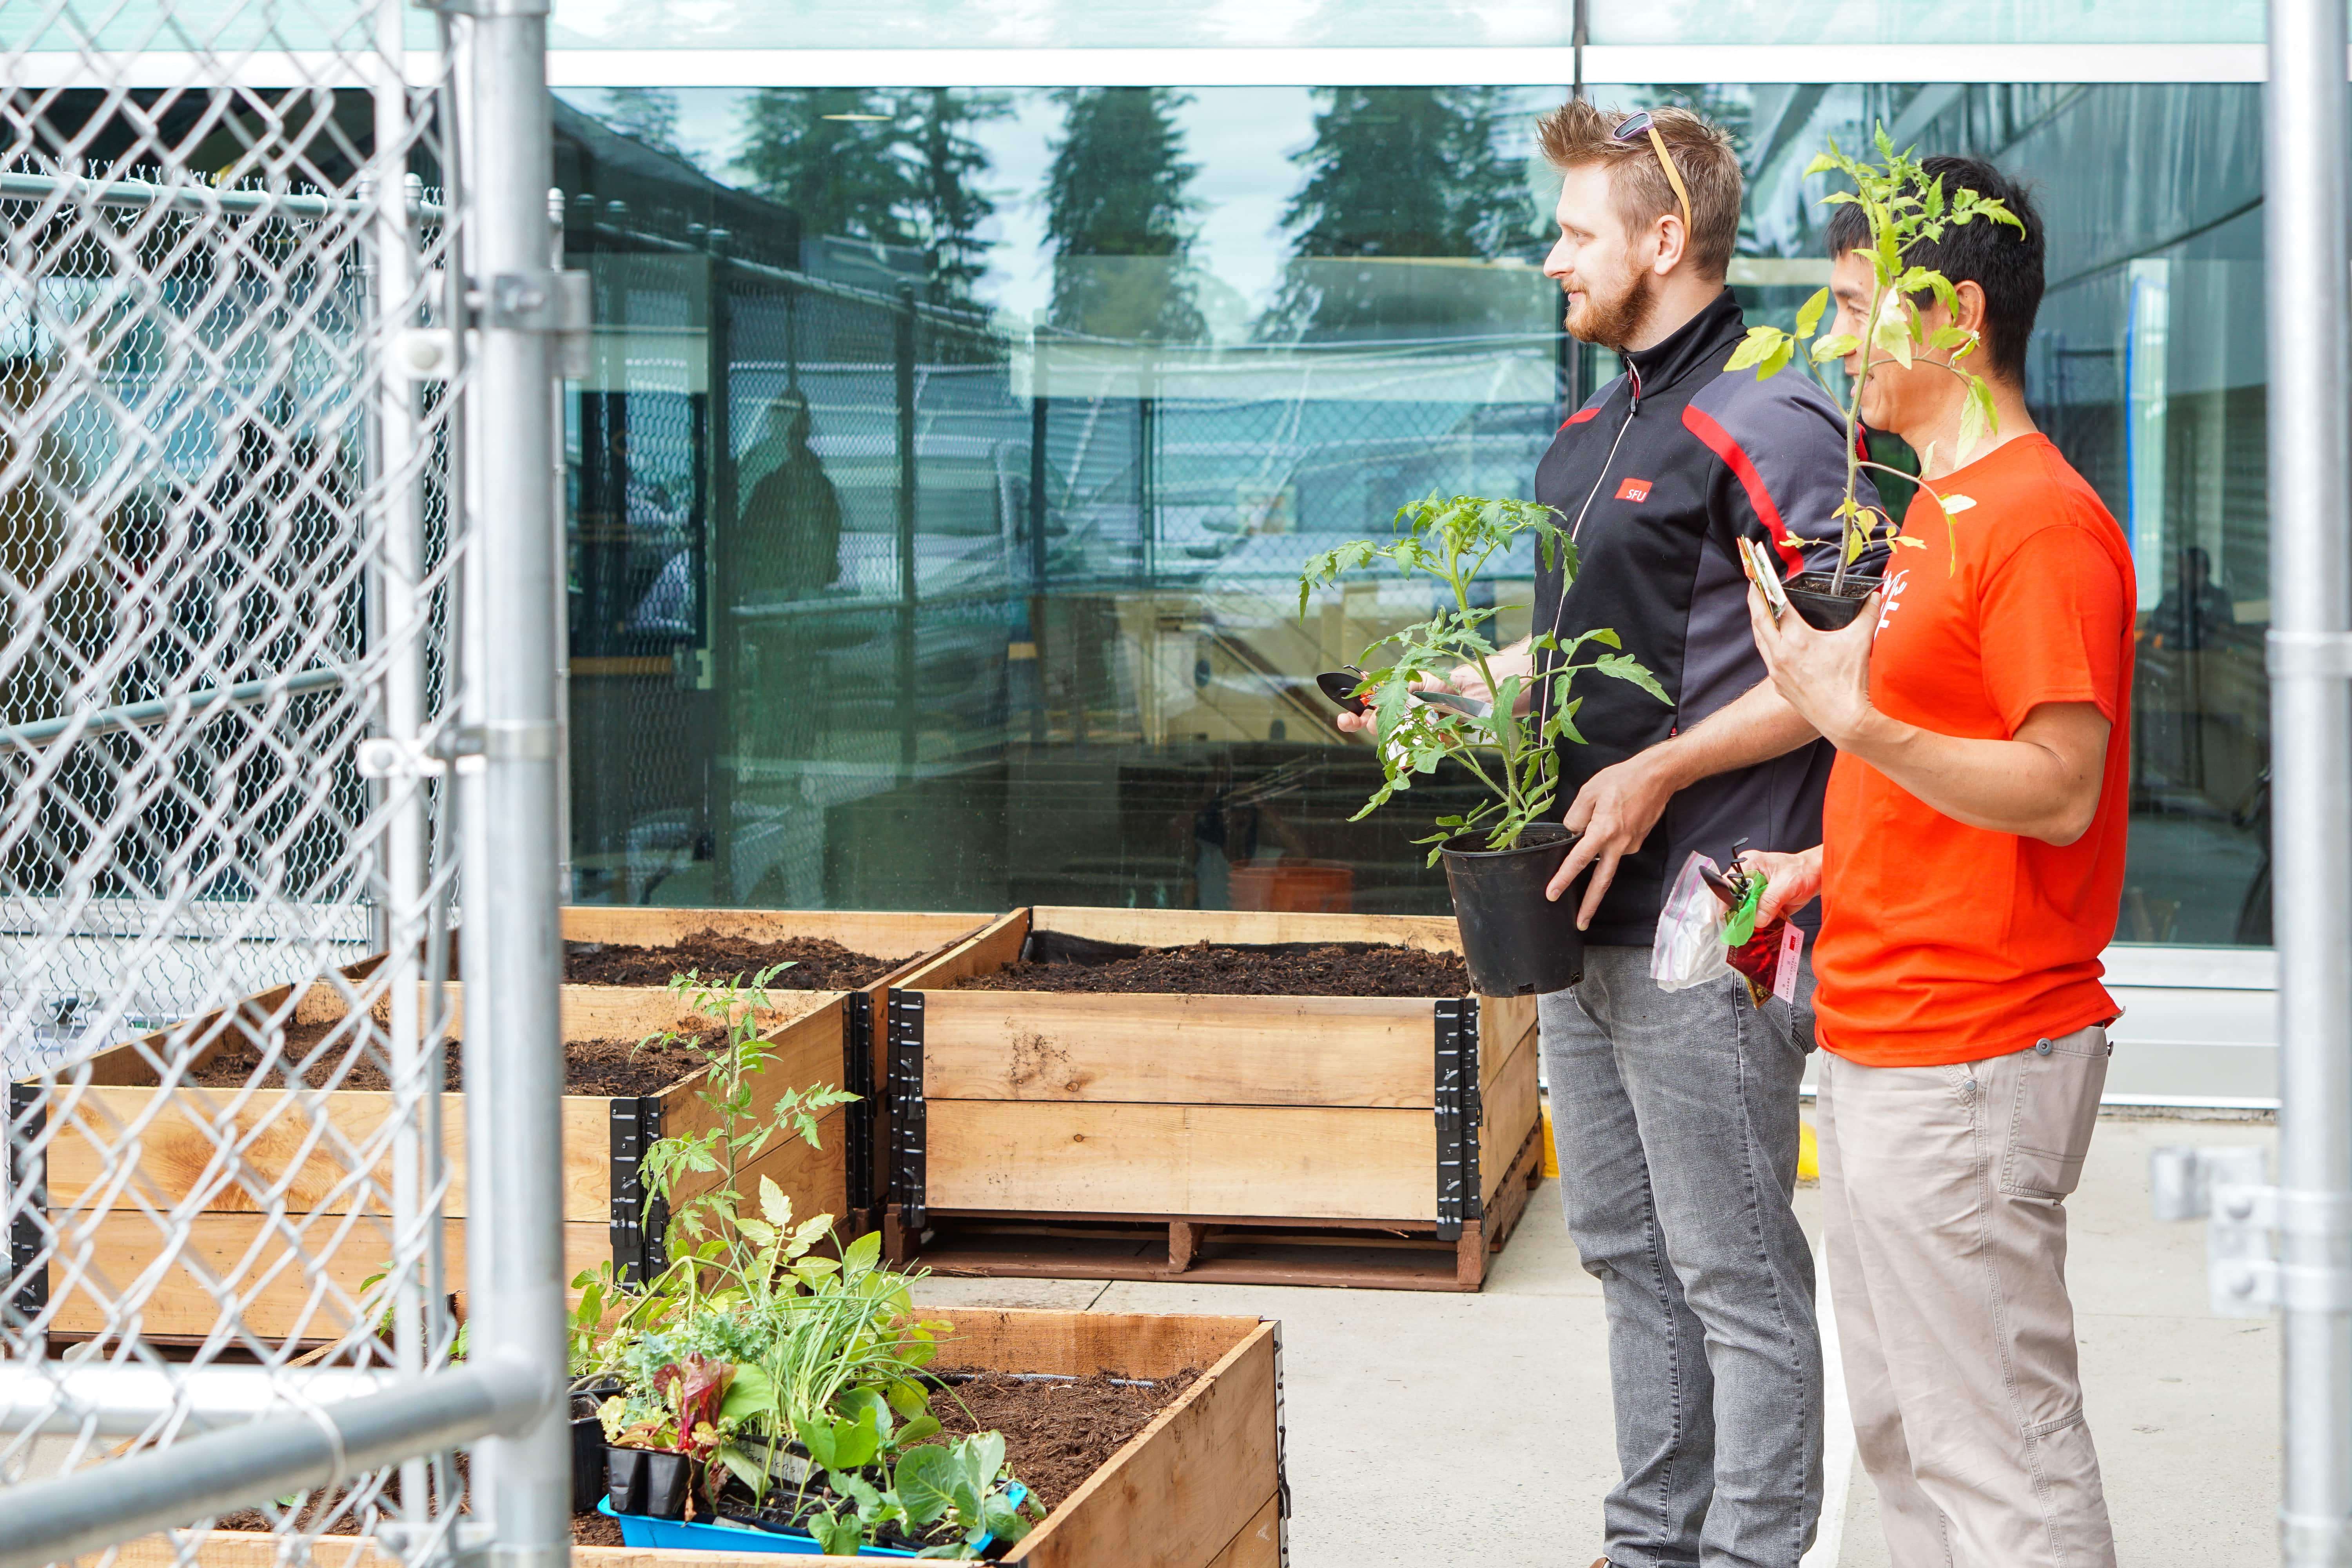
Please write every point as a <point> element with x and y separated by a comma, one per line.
<point>1752,728</point>
<point>2019,786</point>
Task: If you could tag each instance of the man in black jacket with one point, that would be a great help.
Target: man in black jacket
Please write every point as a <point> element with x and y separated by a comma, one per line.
<point>1676,1112</point>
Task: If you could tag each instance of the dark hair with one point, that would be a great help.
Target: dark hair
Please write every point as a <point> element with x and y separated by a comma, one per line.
<point>2005,264</point>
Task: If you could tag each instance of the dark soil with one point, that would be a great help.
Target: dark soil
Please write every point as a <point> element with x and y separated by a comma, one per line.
<point>1294,969</point>
<point>590,1066</point>
<point>1057,1434</point>
<point>817,964</point>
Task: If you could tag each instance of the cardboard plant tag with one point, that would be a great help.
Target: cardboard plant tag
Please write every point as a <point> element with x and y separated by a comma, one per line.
<point>1784,979</point>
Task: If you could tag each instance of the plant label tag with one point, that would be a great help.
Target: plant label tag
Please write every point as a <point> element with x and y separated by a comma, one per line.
<point>1784,978</point>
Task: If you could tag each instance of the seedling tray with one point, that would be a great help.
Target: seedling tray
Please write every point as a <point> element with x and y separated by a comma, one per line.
<point>643,1529</point>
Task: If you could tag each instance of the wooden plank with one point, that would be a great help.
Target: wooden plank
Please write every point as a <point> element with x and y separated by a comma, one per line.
<point>1511,1106</point>
<point>1171,1050</point>
<point>1223,1221</point>
<point>1183,1159</point>
<point>1079,1344</point>
<point>1177,928</point>
<point>280,1301</point>
<point>986,950</point>
<point>633,1012</point>
<point>1257,1546</point>
<point>1505,1024</point>
<point>880,934</point>
<point>236,1144</point>
<point>1183,1244</point>
<point>1184,1487</point>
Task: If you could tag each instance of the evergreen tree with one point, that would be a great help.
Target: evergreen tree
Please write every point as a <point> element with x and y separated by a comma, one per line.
<point>831,155</point>
<point>1394,172</point>
<point>946,164</point>
<point>646,114</point>
<point>1116,191</point>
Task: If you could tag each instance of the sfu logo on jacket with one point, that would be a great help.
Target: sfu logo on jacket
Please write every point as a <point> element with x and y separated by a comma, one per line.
<point>1657,475</point>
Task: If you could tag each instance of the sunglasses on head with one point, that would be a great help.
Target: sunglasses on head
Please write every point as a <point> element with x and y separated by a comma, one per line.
<point>1634,126</point>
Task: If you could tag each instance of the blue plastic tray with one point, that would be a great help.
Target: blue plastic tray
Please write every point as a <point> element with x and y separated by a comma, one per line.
<point>643,1529</point>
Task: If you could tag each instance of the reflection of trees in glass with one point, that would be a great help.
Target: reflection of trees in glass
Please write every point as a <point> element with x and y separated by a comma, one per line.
<point>946,164</point>
<point>1395,171</point>
<point>896,168</point>
<point>1116,190</point>
<point>831,155</point>
<point>647,114</point>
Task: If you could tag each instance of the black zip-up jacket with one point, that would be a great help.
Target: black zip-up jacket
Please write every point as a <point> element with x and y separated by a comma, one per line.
<point>1658,475</point>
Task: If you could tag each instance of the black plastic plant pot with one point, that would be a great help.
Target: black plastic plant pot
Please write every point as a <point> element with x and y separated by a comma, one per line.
<point>1824,609</point>
<point>1516,942</point>
<point>589,1471</point>
<point>667,1476</point>
<point>624,1479</point>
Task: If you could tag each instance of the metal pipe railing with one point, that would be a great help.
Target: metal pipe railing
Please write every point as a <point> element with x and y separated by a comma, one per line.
<point>2305,214</point>
<point>246,1466</point>
<point>196,197</point>
<point>159,709</point>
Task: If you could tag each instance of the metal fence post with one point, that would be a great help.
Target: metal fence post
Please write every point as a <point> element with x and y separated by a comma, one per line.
<point>909,702</point>
<point>514,1055</point>
<point>2304,216</point>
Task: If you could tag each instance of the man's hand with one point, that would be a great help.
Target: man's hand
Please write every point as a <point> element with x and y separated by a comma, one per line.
<point>1464,681</point>
<point>1612,814</point>
<point>1825,676</point>
<point>1790,881</point>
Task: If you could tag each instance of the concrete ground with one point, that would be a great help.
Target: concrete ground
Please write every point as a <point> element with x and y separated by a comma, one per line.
<point>1501,1399</point>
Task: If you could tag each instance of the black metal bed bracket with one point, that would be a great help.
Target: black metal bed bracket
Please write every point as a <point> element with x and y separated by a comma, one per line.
<point>907,1114</point>
<point>1458,1113</point>
<point>857,1077</point>
<point>28,1181</point>
<point>639,1252</point>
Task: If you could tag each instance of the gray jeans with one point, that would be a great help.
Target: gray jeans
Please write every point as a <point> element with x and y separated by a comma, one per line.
<point>1675,1113</point>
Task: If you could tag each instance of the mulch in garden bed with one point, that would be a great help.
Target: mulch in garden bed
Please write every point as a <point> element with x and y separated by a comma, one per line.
<point>1052,962</point>
<point>1057,1432</point>
<point>590,1066</point>
<point>817,962</point>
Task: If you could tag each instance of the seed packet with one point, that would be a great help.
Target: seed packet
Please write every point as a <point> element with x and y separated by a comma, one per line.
<point>1689,948</point>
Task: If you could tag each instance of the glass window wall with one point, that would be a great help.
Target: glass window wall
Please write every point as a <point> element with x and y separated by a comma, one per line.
<point>940,484</point>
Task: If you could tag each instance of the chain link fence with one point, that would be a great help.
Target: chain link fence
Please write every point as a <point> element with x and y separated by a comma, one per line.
<point>243,333</point>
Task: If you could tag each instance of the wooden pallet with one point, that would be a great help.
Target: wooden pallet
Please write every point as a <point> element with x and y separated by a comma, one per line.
<point>1225,1249</point>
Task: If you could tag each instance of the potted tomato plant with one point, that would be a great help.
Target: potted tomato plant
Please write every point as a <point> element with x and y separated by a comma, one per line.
<point>1498,855</point>
<point>1904,207</point>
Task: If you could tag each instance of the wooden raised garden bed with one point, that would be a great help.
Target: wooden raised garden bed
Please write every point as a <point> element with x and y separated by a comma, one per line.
<point>819,1038</point>
<point>911,939</point>
<point>1201,1487</point>
<point>1341,1139</point>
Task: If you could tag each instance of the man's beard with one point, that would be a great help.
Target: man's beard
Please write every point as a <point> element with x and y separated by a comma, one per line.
<point>1614,323</point>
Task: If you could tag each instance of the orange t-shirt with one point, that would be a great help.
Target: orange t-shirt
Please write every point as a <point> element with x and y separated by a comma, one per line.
<point>1942,943</point>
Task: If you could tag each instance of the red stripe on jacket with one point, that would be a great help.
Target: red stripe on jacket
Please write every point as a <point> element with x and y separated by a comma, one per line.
<point>1579,417</point>
<point>1704,425</point>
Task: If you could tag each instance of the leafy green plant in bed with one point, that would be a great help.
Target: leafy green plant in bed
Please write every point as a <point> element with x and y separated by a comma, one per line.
<point>1453,541</point>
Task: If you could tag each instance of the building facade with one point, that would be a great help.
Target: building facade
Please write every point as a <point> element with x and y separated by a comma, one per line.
<point>939,488</point>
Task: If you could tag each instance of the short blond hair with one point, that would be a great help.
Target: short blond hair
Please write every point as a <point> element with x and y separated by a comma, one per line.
<point>1578,133</point>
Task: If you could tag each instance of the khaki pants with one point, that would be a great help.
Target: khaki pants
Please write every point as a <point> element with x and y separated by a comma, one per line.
<point>1947,1266</point>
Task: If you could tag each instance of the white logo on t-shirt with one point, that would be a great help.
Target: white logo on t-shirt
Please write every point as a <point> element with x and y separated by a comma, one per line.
<point>1888,605</point>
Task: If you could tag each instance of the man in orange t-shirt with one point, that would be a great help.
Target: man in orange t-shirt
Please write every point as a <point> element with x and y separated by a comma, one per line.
<point>1972,866</point>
